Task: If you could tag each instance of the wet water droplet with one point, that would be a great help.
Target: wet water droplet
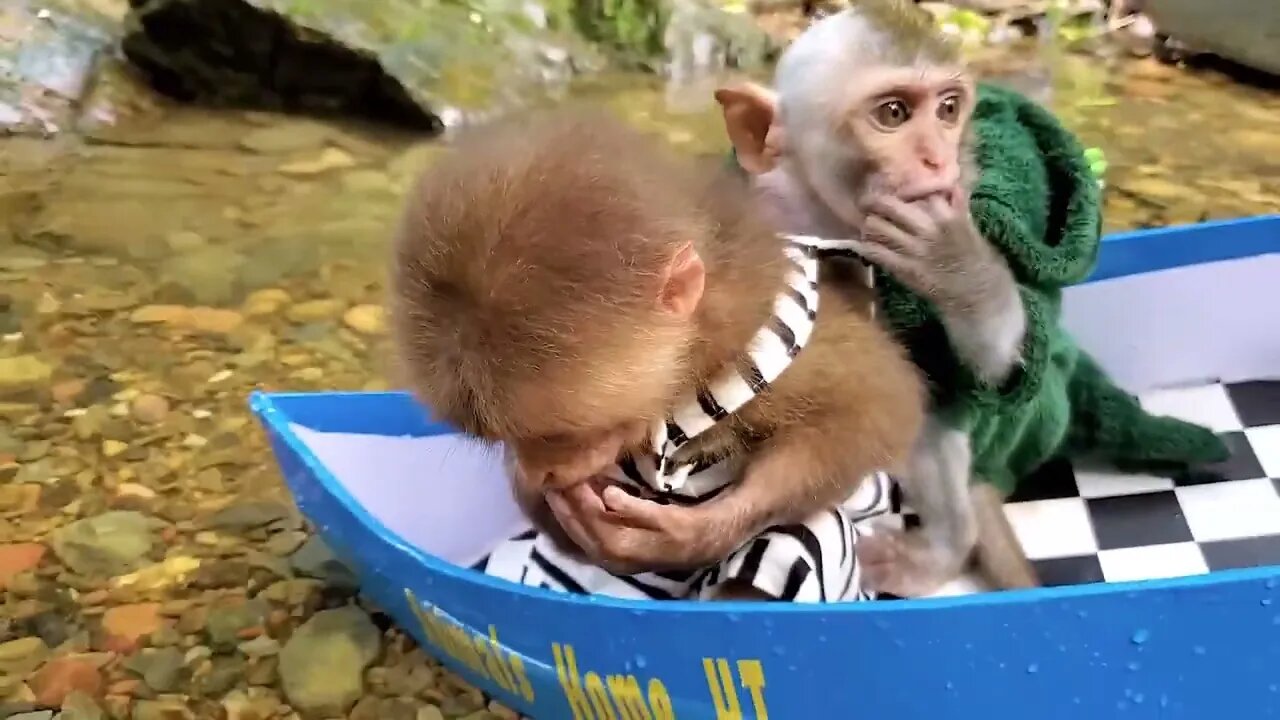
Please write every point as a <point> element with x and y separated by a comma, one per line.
<point>1082,614</point>
<point>950,685</point>
<point>735,617</point>
<point>1272,583</point>
<point>1138,698</point>
<point>1273,687</point>
<point>1134,666</point>
<point>1198,649</point>
<point>1164,700</point>
<point>779,650</point>
<point>642,662</point>
<point>1033,669</point>
<point>1140,636</point>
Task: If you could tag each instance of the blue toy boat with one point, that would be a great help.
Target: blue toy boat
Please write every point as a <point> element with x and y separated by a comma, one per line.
<point>1165,598</point>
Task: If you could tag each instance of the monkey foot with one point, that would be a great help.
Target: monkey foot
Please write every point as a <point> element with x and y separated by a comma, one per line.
<point>906,564</point>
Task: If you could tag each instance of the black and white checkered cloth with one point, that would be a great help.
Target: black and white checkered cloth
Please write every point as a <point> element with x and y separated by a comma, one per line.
<point>1082,526</point>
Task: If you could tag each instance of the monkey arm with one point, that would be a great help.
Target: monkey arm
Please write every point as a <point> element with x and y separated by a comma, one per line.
<point>795,475</point>
<point>989,334</point>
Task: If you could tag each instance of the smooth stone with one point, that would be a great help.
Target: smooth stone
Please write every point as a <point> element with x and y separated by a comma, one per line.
<point>328,159</point>
<point>225,623</point>
<point>322,666</point>
<point>282,544</point>
<point>24,372</point>
<point>21,656</point>
<point>16,558</point>
<point>225,673</point>
<point>241,516</point>
<point>161,710</point>
<point>315,311</point>
<point>162,670</point>
<point>63,676</point>
<point>315,560</point>
<point>78,706</point>
<point>150,409</point>
<point>113,543</point>
<point>287,137</point>
<point>126,625</point>
<point>366,319</point>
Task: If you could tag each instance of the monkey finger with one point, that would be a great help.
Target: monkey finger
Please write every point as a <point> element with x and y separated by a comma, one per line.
<point>941,209</point>
<point>573,527</point>
<point>634,511</point>
<point>880,231</point>
<point>908,270</point>
<point>912,218</point>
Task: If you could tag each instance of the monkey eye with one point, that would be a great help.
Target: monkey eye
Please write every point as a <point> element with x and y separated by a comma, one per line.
<point>949,109</point>
<point>891,114</point>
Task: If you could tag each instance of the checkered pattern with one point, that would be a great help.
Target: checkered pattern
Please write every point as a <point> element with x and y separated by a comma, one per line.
<point>1080,525</point>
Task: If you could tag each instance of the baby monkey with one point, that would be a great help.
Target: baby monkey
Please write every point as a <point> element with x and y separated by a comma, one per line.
<point>867,136</point>
<point>686,408</point>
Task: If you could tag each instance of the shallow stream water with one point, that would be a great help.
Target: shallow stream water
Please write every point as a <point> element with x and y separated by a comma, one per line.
<point>160,265</point>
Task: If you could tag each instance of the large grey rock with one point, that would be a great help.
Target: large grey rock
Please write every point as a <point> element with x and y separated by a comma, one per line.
<point>47,57</point>
<point>1245,31</point>
<point>421,63</point>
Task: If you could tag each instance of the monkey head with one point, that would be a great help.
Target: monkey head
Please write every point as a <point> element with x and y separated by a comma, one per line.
<point>538,299</point>
<point>869,100</point>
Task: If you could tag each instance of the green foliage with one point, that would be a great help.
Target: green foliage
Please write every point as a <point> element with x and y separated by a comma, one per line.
<point>632,28</point>
<point>1097,160</point>
<point>1067,27</point>
<point>971,27</point>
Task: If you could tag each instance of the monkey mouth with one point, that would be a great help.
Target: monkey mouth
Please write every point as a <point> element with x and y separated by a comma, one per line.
<point>920,191</point>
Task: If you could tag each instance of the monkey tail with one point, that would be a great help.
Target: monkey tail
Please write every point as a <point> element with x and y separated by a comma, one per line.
<point>1110,424</point>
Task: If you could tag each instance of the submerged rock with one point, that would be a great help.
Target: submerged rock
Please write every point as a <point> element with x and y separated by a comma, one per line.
<point>110,544</point>
<point>322,666</point>
<point>421,64</point>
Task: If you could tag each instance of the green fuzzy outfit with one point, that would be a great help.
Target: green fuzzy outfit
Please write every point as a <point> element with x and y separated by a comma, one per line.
<point>1037,201</point>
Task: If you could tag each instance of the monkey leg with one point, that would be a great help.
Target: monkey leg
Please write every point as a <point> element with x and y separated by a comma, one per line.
<point>998,557</point>
<point>919,561</point>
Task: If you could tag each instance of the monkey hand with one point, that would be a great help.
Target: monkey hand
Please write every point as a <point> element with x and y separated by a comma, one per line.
<point>932,246</point>
<point>627,535</point>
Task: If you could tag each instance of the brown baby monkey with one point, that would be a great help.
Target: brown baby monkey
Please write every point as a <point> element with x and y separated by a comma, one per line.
<point>866,137</point>
<point>627,325</point>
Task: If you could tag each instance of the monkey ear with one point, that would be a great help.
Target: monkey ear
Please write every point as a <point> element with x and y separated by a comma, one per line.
<point>685,278</point>
<point>750,116</point>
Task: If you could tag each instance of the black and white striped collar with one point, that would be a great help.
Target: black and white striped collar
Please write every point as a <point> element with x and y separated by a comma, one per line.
<point>770,353</point>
